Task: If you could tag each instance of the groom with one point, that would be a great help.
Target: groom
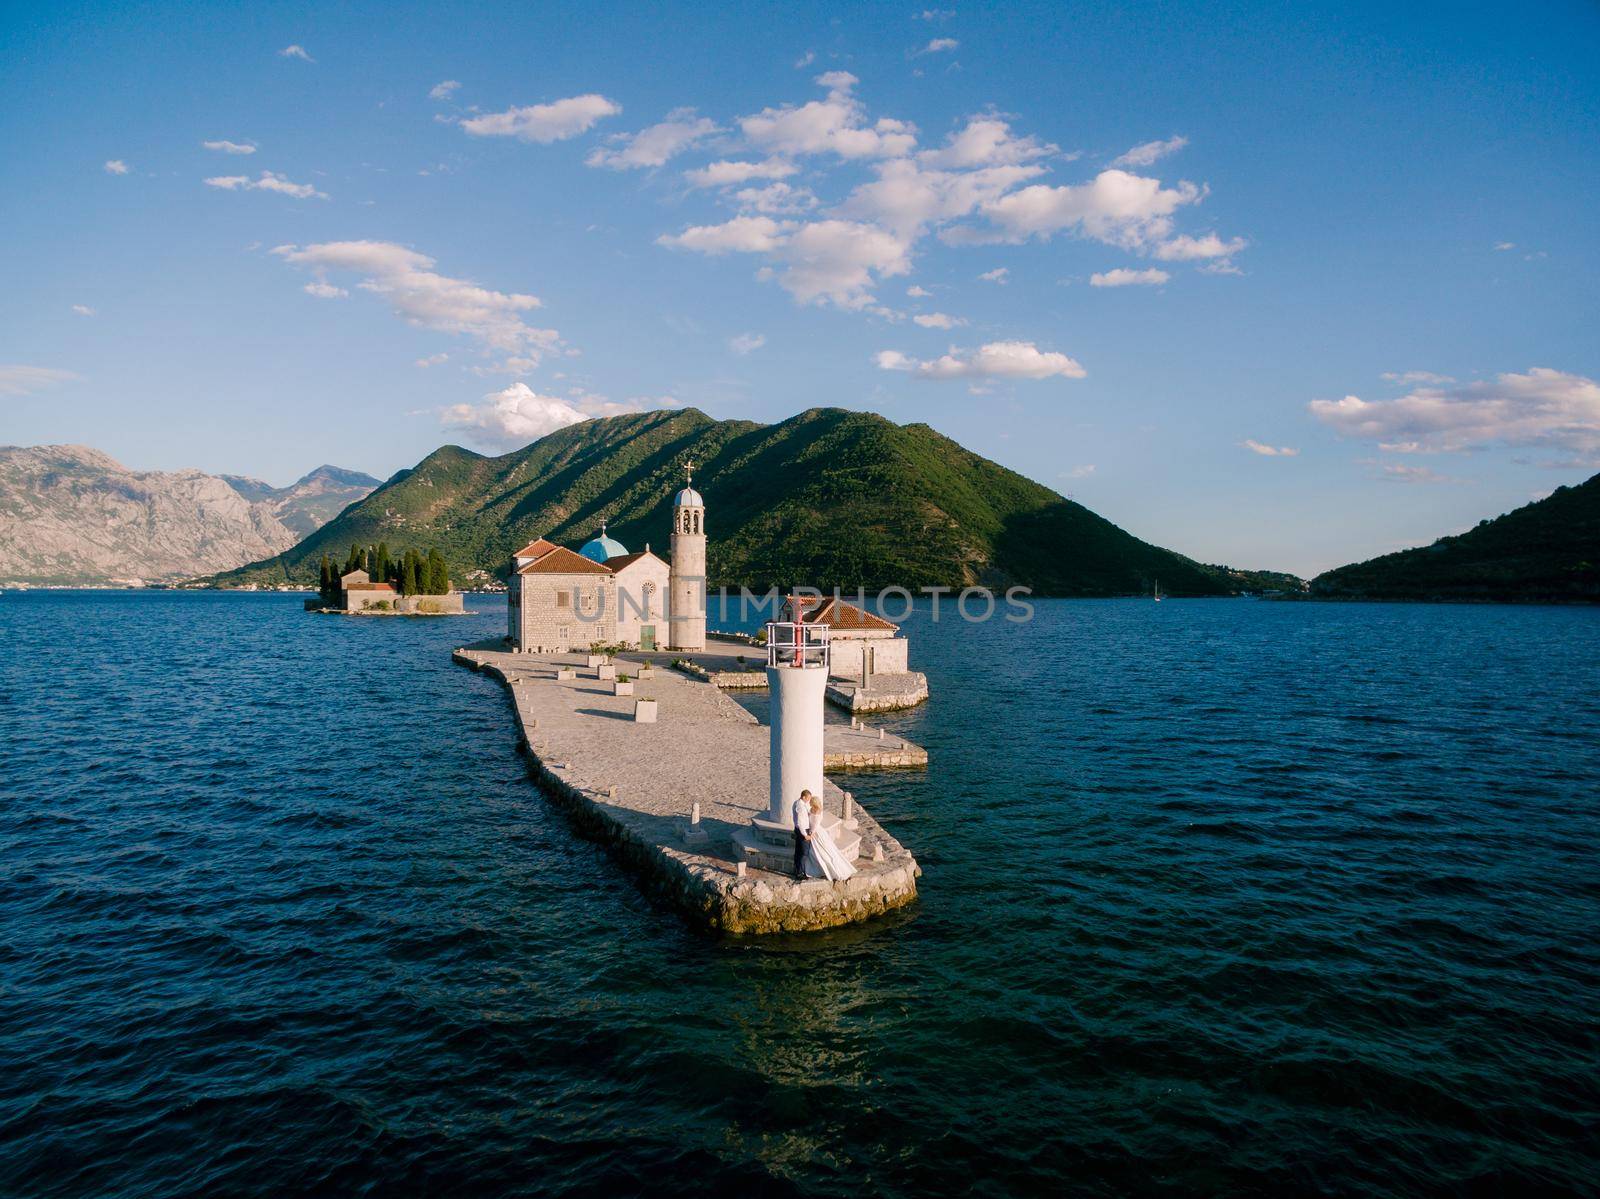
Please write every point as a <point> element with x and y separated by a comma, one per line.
<point>800,814</point>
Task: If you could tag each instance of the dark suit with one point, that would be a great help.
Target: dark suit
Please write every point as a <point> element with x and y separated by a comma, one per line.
<point>799,840</point>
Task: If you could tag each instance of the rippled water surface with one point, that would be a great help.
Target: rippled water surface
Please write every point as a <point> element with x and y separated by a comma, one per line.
<point>1219,897</point>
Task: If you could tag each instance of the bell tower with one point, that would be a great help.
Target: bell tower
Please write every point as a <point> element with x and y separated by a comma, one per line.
<point>686,611</point>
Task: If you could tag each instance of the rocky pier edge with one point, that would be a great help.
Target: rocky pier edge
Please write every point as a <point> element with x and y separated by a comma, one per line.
<point>704,887</point>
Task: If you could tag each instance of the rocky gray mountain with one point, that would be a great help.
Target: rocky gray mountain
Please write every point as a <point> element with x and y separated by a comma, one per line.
<point>310,501</point>
<point>71,514</point>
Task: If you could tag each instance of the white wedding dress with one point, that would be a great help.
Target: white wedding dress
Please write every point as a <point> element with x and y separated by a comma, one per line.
<point>823,859</point>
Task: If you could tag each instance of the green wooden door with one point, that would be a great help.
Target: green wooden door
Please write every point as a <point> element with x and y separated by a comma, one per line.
<point>647,637</point>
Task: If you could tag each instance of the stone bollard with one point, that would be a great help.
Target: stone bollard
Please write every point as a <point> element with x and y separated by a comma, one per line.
<point>611,791</point>
<point>881,734</point>
<point>877,852</point>
<point>739,869</point>
<point>694,813</point>
<point>849,802</point>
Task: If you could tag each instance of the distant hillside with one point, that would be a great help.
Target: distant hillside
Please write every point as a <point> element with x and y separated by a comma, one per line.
<point>310,501</point>
<point>71,514</point>
<point>825,498</point>
<point>1547,550</point>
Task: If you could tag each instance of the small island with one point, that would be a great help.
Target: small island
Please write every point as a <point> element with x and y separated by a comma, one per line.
<point>374,584</point>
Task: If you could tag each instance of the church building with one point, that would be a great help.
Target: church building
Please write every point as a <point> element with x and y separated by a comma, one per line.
<point>560,599</point>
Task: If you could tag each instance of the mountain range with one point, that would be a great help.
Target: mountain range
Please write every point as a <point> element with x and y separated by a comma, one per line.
<point>1546,551</point>
<point>827,498</point>
<point>312,500</point>
<point>70,514</point>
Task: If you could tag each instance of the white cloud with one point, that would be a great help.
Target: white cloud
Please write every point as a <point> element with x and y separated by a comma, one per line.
<point>918,293</point>
<point>268,182</point>
<point>1131,211</point>
<point>985,142</point>
<point>805,60</point>
<point>935,14</point>
<point>115,166</point>
<point>1505,245</point>
<point>226,147</point>
<point>937,320</point>
<point>1149,152</point>
<point>512,417</point>
<point>1543,407</point>
<point>906,197</point>
<point>836,125</point>
<point>940,44</point>
<point>747,343</point>
<point>433,360</point>
<point>1187,249</point>
<point>544,123</point>
<point>776,199</point>
<point>1410,377</point>
<point>443,91</point>
<point>1000,275</point>
<point>25,380</point>
<point>324,291</point>
<point>995,360</point>
<point>1079,472</point>
<point>1399,472</point>
<point>83,310</point>
<point>727,173</point>
<point>1269,451</point>
<point>422,297</point>
<point>296,51</point>
<point>741,235</point>
<point>652,146</point>
<point>1123,277</point>
<point>830,261</point>
<point>838,261</point>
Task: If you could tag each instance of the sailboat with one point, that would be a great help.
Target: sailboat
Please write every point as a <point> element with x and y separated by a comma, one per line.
<point>1157,595</point>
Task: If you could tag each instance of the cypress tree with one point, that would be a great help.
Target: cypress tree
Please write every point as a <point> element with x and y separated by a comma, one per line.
<point>353,562</point>
<point>438,574</point>
<point>382,563</point>
<point>408,574</point>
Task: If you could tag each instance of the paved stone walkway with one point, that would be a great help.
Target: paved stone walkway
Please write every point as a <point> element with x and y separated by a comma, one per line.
<point>634,784</point>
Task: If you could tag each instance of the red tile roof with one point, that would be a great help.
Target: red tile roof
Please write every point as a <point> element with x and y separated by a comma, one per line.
<point>369,587</point>
<point>838,614</point>
<point>622,560</point>
<point>562,561</point>
<point>536,548</point>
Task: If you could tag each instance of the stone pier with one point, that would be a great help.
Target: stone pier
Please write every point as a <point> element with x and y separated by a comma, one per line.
<point>635,785</point>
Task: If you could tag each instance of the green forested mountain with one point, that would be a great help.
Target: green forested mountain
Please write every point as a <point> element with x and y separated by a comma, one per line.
<point>826,498</point>
<point>1547,550</point>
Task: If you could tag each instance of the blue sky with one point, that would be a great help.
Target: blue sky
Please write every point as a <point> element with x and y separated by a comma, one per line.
<point>1147,244</point>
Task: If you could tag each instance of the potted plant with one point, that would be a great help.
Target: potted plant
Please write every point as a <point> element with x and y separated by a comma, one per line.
<point>647,669</point>
<point>644,710</point>
<point>622,685</point>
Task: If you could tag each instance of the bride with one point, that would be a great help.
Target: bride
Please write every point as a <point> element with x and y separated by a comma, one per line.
<point>823,859</point>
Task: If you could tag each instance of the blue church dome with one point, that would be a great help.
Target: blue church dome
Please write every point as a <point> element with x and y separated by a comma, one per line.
<point>603,547</point>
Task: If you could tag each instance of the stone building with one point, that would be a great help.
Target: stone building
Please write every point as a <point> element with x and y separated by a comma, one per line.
<point>861,642</point>
<point>358,591</point>
<point>687,605</point>
<point>643,582</point>
<point>560,599</point>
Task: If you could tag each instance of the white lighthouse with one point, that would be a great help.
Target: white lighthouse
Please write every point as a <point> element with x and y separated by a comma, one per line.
<point>686,609</point>
<point>797,673</point>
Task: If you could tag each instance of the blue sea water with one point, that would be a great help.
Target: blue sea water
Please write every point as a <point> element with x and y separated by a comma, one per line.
<point>1219,897</point>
